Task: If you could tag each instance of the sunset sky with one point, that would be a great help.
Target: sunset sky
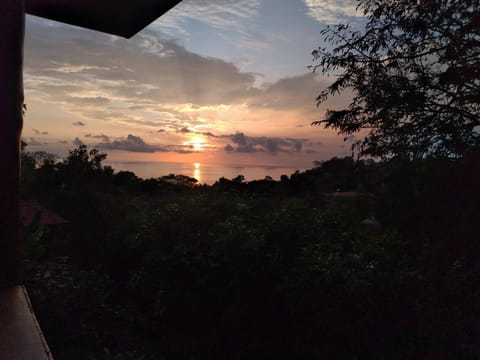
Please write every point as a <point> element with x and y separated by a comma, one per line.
<point>211,81</point>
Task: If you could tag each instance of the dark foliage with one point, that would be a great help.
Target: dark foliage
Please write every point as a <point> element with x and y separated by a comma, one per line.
<point>163,268</point>
<point>415,74</point>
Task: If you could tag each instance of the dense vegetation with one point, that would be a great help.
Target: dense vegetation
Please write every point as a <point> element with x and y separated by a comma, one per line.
<point>167,269</point>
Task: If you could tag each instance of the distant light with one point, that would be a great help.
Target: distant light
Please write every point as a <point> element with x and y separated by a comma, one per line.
<point>197,165</point>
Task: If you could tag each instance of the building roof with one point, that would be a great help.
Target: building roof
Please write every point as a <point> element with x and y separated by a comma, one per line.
<point>119,17</point>
<point>30,209</point>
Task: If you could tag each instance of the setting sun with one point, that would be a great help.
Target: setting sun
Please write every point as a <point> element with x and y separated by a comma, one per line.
<point>196,143</point>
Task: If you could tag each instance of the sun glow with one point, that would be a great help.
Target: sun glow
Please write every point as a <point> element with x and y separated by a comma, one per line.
<point>196,143</point>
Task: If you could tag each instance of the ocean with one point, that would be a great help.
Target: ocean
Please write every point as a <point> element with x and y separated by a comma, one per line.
<point>205,174</point>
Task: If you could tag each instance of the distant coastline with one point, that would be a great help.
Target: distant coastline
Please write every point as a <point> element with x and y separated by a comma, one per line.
<point>205,174</point>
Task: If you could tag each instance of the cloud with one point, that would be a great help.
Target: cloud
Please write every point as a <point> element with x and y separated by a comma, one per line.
<point>209,134</point>
<point>240,139</point>
<point>77,142</point>
<point>272,145</point>
<point>97,76</point>
<point>253,44</point>
<point>296,92</point>
<point>88,100</point>
<point>332,11</point>
<point>220,14</point>
<point>38,132</point>
<point>102,77</point>
<point>152,85</point>
<point>131,143</point>
<point>34,142</point>
<point>103,137</point>
<point>298,146</point>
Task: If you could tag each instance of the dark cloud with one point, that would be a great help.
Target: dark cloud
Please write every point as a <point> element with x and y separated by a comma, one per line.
<point>248,149</point>
<point>239,139</point>
<point>131,143</point>
<point>38,132</point>
<point>180,151</point>
<point>78,123</point>
<point>209,134</point>
<point>298,146</point>
<point>77,142</point>
<point>134,143</point>
<point>103,137</point>
<point>272,145</point>
<point>185,130</point>
<point>244,145</point>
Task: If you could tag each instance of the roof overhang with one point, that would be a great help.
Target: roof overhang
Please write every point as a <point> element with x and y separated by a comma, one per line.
<point>119,17</point>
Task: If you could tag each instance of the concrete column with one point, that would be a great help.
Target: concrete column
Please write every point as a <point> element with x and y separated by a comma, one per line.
<point>12,24</point>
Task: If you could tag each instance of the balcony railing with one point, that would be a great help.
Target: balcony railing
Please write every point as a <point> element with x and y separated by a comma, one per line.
<point>20,335</point>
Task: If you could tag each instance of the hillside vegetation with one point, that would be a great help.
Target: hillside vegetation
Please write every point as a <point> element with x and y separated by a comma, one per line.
<point>167,269</point>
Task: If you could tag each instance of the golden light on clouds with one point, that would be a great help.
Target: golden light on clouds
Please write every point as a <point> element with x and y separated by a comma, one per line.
<point>193,108</point>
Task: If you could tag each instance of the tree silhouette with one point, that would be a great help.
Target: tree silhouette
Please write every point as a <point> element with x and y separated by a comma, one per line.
<point>415,74</point>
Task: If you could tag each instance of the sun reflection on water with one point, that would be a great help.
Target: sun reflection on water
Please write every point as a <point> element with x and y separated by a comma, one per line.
<point>196,172</point>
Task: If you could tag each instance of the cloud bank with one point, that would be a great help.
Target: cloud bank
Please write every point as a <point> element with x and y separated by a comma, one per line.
<point>131,143</point>
<point>152,95</point>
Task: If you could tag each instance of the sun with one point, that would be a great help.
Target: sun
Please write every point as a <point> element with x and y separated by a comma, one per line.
<point>196,143</point>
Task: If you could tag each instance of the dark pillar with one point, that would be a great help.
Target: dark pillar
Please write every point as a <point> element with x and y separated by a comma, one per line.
<point>12,22</point>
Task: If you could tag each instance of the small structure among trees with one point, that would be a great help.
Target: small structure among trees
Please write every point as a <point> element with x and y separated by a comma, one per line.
<point>32,211</point>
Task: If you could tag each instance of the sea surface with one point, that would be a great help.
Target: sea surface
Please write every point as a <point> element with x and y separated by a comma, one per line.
<point>205,174</point>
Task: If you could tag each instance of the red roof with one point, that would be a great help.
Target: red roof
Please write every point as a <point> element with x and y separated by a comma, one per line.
<point>29,209</point>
